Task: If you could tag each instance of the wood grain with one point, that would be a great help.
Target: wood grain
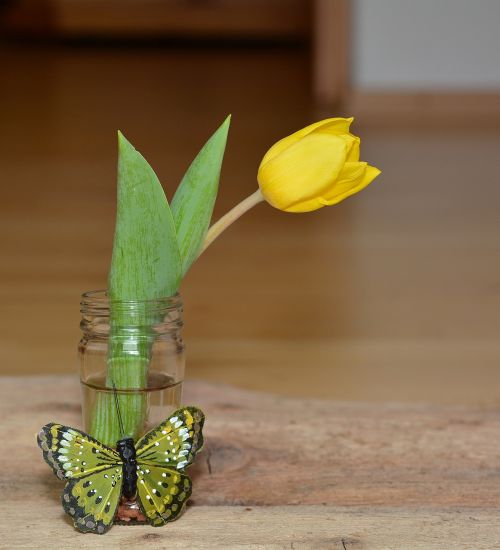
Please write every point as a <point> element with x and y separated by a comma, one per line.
<point>275,528</point>
<point>281,473</point>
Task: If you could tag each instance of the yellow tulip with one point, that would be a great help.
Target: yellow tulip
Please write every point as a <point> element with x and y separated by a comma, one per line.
<point>314,167</point>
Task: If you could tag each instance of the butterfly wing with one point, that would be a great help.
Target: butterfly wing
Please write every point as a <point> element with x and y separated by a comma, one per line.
<point>93,471</point>
<point>92,501</point>
<point>73,454</point>
<point>162,493</point>
<point>175,442</point>
<point>162,455</point>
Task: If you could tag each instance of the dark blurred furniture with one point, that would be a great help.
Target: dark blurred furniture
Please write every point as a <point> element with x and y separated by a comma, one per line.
<point>187,18</point>
<point>323,23</point>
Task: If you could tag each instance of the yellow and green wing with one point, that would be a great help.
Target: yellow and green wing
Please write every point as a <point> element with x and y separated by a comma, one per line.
<point>92,501</point>
<point>93,471</point>
<point>74,454</point>
<point>162,493</point>
<point>175,442</point>
<point>162,455</point>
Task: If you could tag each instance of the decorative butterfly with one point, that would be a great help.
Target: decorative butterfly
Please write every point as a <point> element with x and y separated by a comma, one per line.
<point>152,470</point>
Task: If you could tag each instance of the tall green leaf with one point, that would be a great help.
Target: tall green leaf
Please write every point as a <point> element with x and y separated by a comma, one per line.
<point>146,263</point>
<point>193,203</point>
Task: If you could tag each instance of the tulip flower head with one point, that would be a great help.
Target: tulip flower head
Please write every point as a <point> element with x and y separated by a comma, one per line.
<point>314,167</point>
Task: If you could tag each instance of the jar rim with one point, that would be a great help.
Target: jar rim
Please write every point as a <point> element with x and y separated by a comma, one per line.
<point>100,299</point>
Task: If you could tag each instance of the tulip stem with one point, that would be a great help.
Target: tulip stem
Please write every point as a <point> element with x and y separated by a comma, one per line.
<point>226,220</point>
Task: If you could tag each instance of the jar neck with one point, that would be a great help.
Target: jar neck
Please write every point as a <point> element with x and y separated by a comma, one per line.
<point>100,315</point>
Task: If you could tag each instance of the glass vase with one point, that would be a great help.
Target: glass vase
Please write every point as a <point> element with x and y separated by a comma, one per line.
<point>131,364</point>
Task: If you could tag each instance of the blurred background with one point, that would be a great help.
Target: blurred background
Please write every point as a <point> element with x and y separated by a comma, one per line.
<point>391,295</point>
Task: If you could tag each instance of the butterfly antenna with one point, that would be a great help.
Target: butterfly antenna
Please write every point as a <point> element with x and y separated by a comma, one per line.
<point>118,412</point>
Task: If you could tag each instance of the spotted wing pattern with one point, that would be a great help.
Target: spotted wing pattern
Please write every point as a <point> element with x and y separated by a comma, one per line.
<point>93,471</point>
<point>162,455</point>
<point>162,493</point>
<point>74,454</point>
<point>175,442</point>
<point>92,501</point>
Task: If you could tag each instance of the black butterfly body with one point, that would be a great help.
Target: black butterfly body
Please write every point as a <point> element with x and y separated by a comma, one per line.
<point>126,450</point>
<point>150,470</point>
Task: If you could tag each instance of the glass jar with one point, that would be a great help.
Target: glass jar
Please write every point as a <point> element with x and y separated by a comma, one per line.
<point>131,364</point>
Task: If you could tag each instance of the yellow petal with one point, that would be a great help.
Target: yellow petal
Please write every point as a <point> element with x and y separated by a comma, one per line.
<point>331,125</point>
<point>349,177</point>
<point>354,177</point>
<point>303,171</point>
<point>336,126</point>
<point>343,132</point>
<point>306,206</point>
<point>353,154</point>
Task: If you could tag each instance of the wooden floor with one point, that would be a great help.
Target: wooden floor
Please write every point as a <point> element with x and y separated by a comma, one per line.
<point>392,295</point>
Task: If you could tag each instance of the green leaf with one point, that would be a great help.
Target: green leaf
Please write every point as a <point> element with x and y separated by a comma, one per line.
<point>146,263</point>
<point>193,203</point>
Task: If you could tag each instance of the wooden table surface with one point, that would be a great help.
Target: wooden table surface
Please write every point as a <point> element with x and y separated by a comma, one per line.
<point>278,472</point>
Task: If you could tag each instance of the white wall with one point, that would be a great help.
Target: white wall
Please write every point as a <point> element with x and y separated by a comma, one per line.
<point>426,44</point>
